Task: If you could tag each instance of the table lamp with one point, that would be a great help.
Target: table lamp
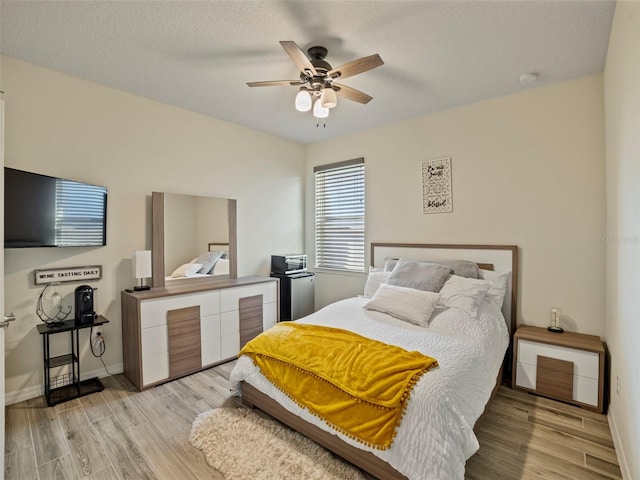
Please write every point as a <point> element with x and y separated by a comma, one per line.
<point>141,267</point>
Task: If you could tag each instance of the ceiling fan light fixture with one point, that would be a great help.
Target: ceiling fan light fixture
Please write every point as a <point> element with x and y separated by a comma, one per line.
<point>316,78</point>
<point>328,98</point>
<point>319,111</point>
<point>303,100</point>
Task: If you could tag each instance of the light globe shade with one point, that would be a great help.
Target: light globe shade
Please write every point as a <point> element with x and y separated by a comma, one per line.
<point>328,98</point>
<point>319,111</point>
<point>303,101</point>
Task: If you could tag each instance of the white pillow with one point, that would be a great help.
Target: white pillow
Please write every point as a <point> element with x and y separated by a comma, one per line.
<point>221,267</point>
<point>374,280</point>
<point>186,270</point>
<point>414,306</point>
<point>499,288</point>
<point>464,293</point>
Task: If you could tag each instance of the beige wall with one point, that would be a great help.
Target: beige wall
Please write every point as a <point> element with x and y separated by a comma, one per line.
<point>622,120</point>
<point>528,169</point>
<point>64,126</point>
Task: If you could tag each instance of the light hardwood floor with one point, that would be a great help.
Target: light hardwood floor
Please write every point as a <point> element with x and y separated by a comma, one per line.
<point>124,434</point>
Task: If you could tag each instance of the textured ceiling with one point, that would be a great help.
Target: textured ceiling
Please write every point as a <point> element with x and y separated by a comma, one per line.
<point>199,55</point>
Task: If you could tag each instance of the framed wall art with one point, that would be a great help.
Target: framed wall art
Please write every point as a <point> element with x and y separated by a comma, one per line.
<point>436,186</point>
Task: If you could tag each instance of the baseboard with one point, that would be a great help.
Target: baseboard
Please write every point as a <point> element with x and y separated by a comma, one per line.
<point>617,443</point>
<point>37,390</point>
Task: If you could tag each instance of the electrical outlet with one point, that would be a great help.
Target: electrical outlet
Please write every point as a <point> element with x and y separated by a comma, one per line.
<point>618,384</point>
<point>97,340</point>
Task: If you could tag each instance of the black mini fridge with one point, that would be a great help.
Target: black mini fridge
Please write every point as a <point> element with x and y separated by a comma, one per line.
<point>296,295</point>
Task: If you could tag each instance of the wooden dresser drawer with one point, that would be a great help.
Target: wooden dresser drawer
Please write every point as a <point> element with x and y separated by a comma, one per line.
<point>154,312</point>
<point>230,297</point>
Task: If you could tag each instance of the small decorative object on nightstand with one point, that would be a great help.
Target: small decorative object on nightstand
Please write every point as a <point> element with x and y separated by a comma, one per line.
<point>567,367</point>
<point>555,321</point>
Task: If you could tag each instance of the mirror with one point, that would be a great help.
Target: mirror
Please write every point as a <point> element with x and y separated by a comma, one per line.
<point>184,227</point>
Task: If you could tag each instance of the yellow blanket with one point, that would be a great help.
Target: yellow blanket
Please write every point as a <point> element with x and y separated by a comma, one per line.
<point>357,385</point>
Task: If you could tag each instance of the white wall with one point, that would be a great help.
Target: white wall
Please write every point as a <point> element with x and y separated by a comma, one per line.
<point>622,120</point>
<point>528,169</point>
<point>64,126</point>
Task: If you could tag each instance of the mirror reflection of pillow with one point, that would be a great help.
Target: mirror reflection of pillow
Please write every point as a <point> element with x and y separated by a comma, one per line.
<point>208,260</point>
<point>186,270</point>
<point>221,267</point>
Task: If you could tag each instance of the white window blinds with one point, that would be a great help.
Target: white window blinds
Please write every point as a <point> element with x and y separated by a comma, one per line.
<point>340,216</point>
<point>80,214</point>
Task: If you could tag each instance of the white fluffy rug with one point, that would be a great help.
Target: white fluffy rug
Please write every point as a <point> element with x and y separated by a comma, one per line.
<point>242,445</point>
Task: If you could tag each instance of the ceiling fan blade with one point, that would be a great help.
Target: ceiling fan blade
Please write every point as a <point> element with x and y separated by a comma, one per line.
<point>275,83</point>
<point>351,93</point>
<point>355,67</point>
<point>298,56</point>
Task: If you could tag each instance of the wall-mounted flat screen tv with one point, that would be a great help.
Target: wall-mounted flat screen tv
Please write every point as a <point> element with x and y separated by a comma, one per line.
<point>43,211</point>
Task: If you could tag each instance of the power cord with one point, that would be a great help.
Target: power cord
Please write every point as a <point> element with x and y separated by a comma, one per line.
<point>99,343</point>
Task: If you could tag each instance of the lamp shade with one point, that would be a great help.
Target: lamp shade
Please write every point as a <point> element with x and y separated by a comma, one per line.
<point>303,100</point>
<point>319,111</point>
<point>328,98</point>
<point>141,263</point>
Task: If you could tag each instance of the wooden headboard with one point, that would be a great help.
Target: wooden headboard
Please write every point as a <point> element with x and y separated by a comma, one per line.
<point>501,257</point>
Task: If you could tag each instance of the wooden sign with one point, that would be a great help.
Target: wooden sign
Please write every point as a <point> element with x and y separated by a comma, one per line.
<point>72,274</point>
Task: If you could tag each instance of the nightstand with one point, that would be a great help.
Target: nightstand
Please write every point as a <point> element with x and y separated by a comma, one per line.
<point>564,366</point>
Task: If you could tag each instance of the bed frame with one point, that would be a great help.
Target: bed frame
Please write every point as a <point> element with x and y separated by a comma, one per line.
<point>501,257</point>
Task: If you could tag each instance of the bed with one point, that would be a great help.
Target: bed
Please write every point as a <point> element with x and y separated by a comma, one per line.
<point>215,261</point>
<point>436,435</point>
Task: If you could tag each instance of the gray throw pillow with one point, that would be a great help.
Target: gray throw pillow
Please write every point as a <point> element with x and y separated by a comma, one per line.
<point>419,275</point>
<point>208,260</point>
<point>462,268</point>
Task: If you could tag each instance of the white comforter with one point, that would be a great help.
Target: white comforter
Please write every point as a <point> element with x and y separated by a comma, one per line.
<point>436,435</point>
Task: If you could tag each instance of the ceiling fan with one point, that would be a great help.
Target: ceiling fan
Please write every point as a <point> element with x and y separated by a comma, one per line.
<point>317,79</point>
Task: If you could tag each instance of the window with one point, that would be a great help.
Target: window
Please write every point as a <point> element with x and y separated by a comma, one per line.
<point>340,216</point>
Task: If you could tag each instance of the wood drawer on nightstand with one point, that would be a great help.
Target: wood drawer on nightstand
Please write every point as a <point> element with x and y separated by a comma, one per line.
<point>567,368</point>
<point>554,377</point>
<point>585,363</point>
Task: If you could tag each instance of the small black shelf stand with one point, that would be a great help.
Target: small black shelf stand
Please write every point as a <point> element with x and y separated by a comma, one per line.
<point>67,386</point>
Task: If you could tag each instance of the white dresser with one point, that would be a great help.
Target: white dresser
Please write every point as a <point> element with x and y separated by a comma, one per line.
<point>173,331</point>
<point>565,366</point>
